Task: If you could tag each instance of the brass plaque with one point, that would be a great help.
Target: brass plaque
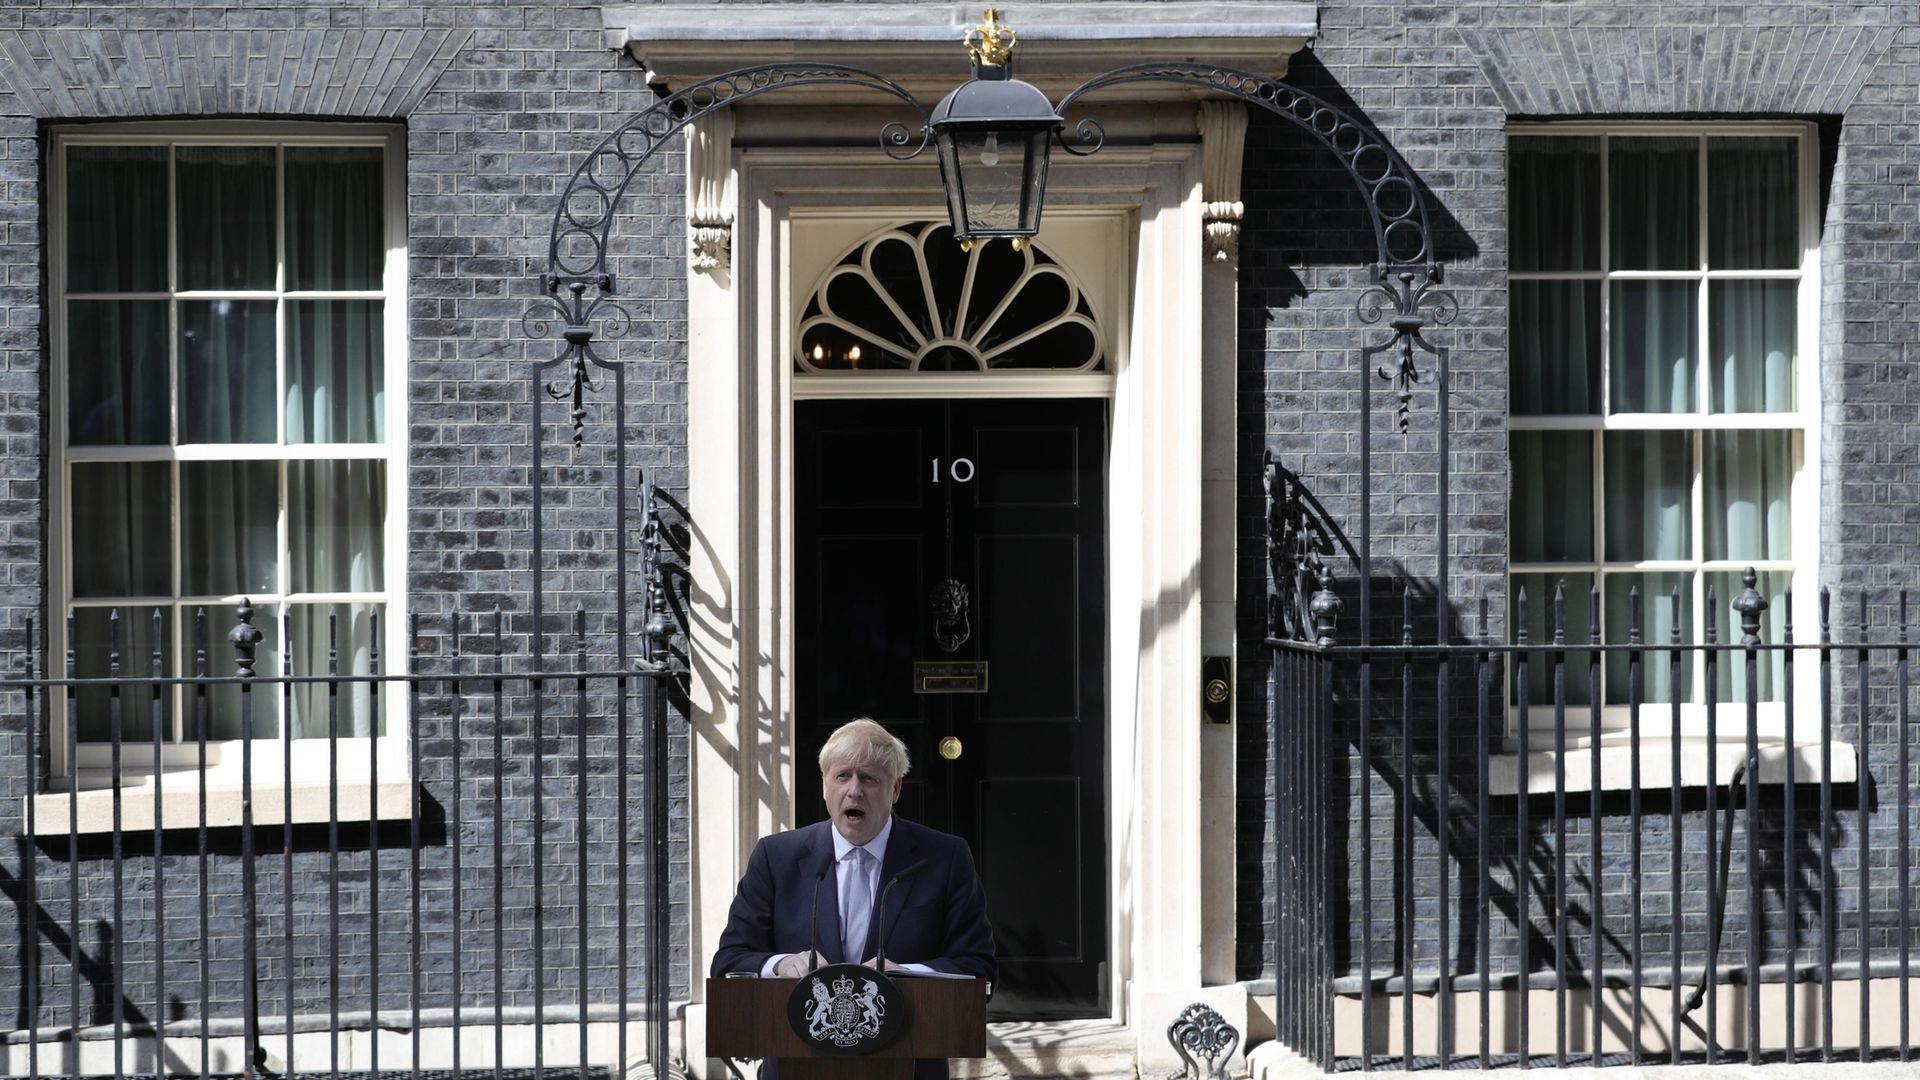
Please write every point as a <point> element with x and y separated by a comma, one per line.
<point>950,676</point>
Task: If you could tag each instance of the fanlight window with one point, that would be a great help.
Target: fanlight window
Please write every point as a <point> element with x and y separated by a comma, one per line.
<point>908,299</point>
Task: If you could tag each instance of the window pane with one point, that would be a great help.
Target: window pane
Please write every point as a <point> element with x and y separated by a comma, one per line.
<point>226,216</point>
<point>1770,668</point>
<point>1653,220</point>
<point>1753,203</point>
<point>96,640</point>
<point>1656,631</point>
<point>336,638</point>
<point>335,372</point>
<point>1648,478</point>
<point>1749,476</point>
<point>1651,354</point>
<point>1540,620</point>
<point>226,371</point>
<point>116,218</point>
<point>1553,202</point>
<point>1751,326</point>
<point>335,228</point>
<point>1551,514</point>
<point>117,373</point>
<point>229,527</point>
<point>122,529</point>
<point>336,514</point>
<point>225,703</point>
<point>1555,348</point>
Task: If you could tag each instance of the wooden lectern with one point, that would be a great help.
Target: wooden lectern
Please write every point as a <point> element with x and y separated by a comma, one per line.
<point>946,1018</point>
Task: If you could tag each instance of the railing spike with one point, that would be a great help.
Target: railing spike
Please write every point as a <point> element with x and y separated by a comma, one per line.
<point>1633,615</point>
<point>1560,612</point>
<point>1520,617</point>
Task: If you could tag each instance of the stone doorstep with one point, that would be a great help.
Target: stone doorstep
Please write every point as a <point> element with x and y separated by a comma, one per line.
<point>1084,1049</point>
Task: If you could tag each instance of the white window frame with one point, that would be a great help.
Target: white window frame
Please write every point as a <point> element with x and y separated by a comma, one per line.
<point>181,759</point>
<point>1803,492</point>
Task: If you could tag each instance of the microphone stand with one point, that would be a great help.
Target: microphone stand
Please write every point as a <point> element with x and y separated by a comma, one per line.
<point>813,919</point>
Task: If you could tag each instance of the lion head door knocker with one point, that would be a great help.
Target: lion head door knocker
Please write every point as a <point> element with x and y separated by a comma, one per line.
<point>949,604</point>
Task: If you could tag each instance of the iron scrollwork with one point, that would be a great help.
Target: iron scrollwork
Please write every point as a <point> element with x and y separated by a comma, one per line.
<point>1408,302</point>
<point>579,277</point>
<point>1205,1041</point>
<point>1302,605</point>
<point>1405,275</point>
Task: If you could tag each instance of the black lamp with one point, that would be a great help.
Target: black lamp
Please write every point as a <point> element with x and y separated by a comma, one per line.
<point>992,134</point>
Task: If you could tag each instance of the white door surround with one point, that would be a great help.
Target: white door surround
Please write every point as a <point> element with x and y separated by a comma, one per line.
<point>1142,210</point>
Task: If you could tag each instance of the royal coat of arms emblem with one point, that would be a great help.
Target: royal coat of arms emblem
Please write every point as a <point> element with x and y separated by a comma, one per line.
<point>846,1009</point>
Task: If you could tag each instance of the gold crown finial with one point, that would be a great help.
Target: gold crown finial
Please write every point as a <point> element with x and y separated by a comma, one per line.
<point>992,41</point>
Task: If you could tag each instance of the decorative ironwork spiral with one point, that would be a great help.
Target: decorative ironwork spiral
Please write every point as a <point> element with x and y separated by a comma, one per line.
<point>1088,130</point>
<point>896,135</point>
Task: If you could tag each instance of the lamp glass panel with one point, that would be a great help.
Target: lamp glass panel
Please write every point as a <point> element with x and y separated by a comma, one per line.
<point>993,171</point>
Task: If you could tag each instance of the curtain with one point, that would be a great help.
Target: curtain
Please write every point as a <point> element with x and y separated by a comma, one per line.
<point>1652,346</point>
<point>1647,479</point>
<point>1753,203</point>
<point>227,359</point>
<point>336,236</point>
<point>1654,194</point>
<point>1748,475</point>
<point>1554,225</point>
<point>1752,326</point>
<point>336,522</point>
<point>226,216</point>
<point>336,371</point>
<point>1550,517</point>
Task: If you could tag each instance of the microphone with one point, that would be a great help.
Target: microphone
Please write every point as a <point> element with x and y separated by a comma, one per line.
<point>813,921</point>
<point>880,913</point>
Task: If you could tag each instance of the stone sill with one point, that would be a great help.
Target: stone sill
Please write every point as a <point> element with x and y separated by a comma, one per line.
<point>1701,763</point>
<point>54,811</point>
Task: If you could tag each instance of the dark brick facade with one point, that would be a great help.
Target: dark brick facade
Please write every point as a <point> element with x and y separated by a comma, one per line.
<point>1441,82</point>
<point>499,100</point>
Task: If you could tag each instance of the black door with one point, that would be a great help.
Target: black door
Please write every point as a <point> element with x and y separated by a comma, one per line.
<point>896,501</point>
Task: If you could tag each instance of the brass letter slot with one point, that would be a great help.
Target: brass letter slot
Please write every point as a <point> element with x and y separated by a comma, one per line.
<point>950,676</point>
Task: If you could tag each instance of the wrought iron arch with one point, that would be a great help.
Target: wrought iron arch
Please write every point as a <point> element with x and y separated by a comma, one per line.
<point>1404,279</point>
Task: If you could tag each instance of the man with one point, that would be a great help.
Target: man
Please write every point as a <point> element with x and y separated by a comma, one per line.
<point>936,913</point>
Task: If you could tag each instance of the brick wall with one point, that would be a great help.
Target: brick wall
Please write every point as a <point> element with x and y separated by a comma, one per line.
<point>499,101</point>
<point>1440,81</point>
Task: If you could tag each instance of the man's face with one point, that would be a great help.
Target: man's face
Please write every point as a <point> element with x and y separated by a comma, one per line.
<point>859,799</point>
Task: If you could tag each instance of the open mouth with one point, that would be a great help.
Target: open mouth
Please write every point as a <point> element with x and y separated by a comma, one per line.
<point>854,813</point>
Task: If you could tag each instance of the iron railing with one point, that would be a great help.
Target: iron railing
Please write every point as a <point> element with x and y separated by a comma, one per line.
<point>1450,884</point>
<point>511,913</point>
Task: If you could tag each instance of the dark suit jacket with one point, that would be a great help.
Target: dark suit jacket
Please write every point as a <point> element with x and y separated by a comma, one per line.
<point>936,917</point>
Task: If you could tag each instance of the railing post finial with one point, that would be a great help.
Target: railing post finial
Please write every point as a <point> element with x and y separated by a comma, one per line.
<point>244,637</point>
<point>1325,605</point>
<point>1751,605</point>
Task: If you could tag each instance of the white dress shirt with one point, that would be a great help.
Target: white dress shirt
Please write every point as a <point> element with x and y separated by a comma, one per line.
<point>843,879</point>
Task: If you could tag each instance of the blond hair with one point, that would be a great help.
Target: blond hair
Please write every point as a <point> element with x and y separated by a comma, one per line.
<point>861,741</point>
